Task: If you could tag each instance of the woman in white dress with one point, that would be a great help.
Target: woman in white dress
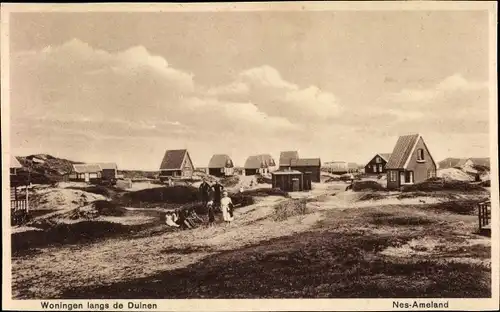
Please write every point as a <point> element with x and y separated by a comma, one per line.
<point>227,208</point>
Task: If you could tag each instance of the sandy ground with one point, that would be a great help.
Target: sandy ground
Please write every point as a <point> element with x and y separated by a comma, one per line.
<point>48,271</point>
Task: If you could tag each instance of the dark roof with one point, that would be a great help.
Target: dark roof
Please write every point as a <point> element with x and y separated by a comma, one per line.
<point>259,161</point>
<point>220,161</point>
<point>173,159</point>
<point>14,163</point>
<point>481,161</point>
<point>86,168</point>
<point>402,151</point>
<point>287,156</point>
<point>305,162</point>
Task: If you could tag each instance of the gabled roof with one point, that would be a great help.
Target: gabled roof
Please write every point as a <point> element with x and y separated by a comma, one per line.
<point>106,166</point>
<point>402,151</point>
<point>14,163</point>
<point>86,168</point>
<point>220,161</point>
<point>286,172</point>
<point>485,161</point>
<point>259,161</point>
<point>173,159</point>
<point>287,156</point>
<point>305,162</point>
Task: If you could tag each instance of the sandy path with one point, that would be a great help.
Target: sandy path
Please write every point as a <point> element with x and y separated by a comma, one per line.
<point>113,260</point>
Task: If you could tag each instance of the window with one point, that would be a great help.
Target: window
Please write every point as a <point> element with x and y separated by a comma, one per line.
<point>420,154</point>
<point>375,168</point>
<point>393,176</point>
<point>12,171</point>
<point>380,169</point>
<point>431,173</point>
<point>377,160</point>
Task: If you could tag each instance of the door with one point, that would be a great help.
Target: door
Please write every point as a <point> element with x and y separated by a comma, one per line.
<point>295,185</point>
<point>401,178</point>
<point>87,177</point>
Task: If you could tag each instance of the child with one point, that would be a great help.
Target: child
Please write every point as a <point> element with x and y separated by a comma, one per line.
<point>211,213</point>
<point>169,219</point>
<point>227,208</point>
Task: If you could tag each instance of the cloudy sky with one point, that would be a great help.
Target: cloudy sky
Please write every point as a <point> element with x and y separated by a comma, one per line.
<point>125,87</point>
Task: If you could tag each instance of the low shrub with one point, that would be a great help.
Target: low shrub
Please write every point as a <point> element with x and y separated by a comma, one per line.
<point>289,208</point>
<point>367,185</point>
<point>371,196</point>
<point>230,181</point>
<point>263,180</point>
<point>266,192</point>
<point>178,194</point>
<point>440,184</point>
<point>462,207</point>
<point>97,189</point>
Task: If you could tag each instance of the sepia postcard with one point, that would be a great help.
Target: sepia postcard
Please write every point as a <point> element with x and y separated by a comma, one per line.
<point>271,156</point>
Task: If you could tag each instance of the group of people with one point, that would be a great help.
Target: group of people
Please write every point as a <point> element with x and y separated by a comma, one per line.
<point>214,198</point>
<point>187,218</point>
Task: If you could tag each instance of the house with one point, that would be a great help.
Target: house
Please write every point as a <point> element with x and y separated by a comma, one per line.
<point>377,164</point>
<point>220,165</point>
<point>290,180</point>
<point>337,167</point>
<point>286,157</point>
<point>410,162</point>
<point>176,164</point>
<point>259,164</point>
<point>86,172</point>
<point>308,166</point>
<point>109,171</point>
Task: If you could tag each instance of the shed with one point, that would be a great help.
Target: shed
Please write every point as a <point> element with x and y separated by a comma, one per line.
<point>377,164</point>
<point>221,165</point>
<point>291,180</point>
<point>309,166</point>
<point>109,170</point>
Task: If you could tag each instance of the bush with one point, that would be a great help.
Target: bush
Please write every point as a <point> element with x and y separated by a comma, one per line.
<point>462,207</point>
<point>179,194</point>
<point>367,185</point>
<point>289,208</point>
<point>242,199</point>
<point>230,181</point>
<point>371,196</point>
<point>263,180</point>
<point>440,184</point>
<point>98,189</point>
<point>107,208</point>
<point>266,192</point>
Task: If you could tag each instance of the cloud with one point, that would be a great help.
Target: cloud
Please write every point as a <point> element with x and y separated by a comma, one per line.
<point>266,88</point>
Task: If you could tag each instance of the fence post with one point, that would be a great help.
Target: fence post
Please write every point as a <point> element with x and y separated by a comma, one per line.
<point>479,215</point>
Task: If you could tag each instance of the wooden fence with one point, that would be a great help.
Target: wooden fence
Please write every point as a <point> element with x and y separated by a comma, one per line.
<point>484,214</point>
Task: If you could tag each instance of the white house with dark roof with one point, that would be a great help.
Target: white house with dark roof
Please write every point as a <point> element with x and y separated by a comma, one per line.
<point>221,165</point>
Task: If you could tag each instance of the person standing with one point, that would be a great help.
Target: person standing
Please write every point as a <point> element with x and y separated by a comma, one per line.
<point>204,192</point>
<point>211,213</point>
<point>218,188</point>
<point>227,208</point>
